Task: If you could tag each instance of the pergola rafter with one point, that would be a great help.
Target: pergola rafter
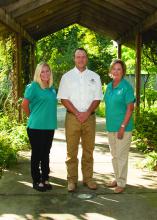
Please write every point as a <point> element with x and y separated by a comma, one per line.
<point>129,22</point>
<point>10,23</point>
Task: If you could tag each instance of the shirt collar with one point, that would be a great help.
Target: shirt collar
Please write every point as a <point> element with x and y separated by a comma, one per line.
<point>78,72</point>
<point>119,85</point>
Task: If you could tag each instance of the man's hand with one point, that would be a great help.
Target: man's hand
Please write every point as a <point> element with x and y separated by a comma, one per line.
<point>82,116</point>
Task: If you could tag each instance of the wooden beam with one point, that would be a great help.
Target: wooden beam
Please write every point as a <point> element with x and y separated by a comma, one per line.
<point>138,44</point>
<point>148,23</point>
<point>98,24</point>
<point>18,63</point>
<point>6,2</point>
<point>119,12</point>
<point>93,25</point>
<point>49,28</point>
<point>150,2</point>
<point>127,7</point>
<point>17,4</point>
<point>143,6</point>
<point>8,21</point>
<point>36,7</point>
<point>53,29</point>
<point>105,19</point>
<point>57,22</point>
<point>43,19</point>
<point>119,51</point>
<point>32,60</point>
<point>107,14</point>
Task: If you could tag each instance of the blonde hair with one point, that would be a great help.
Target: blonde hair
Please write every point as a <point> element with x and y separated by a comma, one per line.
<point>37,73</point>
<point>123,65</point>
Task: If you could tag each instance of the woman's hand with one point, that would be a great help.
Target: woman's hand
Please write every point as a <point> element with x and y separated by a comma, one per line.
<point>120,133</point>
<point>130,108</point>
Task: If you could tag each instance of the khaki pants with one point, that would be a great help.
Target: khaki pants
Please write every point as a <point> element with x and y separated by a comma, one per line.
<point>74,130</point>
<point>119,150</point>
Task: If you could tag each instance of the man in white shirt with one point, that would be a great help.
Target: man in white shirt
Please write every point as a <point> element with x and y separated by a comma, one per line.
<point>80,92</point>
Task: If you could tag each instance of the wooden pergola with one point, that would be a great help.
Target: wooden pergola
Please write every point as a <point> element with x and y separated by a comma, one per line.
<point>130,22</point>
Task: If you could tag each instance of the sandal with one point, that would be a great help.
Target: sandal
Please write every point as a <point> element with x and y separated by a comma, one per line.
<point>119,189</point>
<point>112,184</point>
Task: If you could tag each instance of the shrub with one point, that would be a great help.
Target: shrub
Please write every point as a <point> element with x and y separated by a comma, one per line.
<point>13,137</point>
<point>146,130</point>
<point>8,154</point>
<point>101,110</point>
<point>145,134</point>
<point>150,161</point>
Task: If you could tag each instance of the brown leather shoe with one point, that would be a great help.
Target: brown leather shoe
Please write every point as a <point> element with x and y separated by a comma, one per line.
<point>119,189</point>
<point>91,185</point>
<point>71,186</point>
<point>112,184</point>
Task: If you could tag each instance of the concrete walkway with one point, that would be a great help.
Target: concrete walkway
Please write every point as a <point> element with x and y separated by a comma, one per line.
<point>19,201</point>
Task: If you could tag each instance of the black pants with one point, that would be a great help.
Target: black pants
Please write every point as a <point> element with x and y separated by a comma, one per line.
<point>41,141</point>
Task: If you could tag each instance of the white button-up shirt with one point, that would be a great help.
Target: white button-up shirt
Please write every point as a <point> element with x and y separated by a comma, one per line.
<point>80,88</point>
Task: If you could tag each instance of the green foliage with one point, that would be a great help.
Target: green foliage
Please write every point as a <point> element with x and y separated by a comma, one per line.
<point>149,52</point>
<point>58,49</point>
<point>8,154</point>
<point>15,131</point>
<point>13,137</point>
<point>146,130</point>
<point>101,109</point>
<point>5,69</point>
<point>145,134</point>
<point>128,55</point>
<point>19,137</point>
<point>150,161</point>
<point>151,97</point>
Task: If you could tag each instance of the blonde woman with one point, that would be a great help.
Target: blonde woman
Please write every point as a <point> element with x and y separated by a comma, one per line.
<point>40,105</point>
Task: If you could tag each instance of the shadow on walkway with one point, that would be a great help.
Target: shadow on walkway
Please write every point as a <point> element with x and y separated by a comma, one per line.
<point>19,201</point>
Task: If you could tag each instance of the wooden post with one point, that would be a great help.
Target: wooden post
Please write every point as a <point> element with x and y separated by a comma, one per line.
<point>18,70</point>
<point>32,60</point>
<point>138,69</point>
<point>18,63</point>
<point>119,52</point>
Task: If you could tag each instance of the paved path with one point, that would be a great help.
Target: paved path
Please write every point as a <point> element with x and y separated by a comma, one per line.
<point>19,201</point>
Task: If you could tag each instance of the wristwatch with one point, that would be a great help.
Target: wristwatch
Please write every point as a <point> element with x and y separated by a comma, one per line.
<point>122,125</point>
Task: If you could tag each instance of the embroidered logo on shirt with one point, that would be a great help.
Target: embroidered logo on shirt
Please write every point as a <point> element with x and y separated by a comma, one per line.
<point>92,81</point>
<point>53,90</point>
<point>120,92</point>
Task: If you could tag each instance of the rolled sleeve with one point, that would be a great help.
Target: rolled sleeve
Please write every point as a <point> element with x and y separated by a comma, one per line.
<point>99,93</point>
<point>129,97</point>
<point>29,92</point>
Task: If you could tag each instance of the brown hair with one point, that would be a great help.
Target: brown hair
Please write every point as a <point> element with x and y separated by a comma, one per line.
<point>123,65</point>
<point>82,49</point>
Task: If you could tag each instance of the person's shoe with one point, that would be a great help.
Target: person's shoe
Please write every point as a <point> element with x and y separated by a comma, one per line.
<point>119,189</point>
<point>39,187</point>
<point>91,185</point>
<point>112,184</point>
<point>71,187</point>
<point>47,185</point>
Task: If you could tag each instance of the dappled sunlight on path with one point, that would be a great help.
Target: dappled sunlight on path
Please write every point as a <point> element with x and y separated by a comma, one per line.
<point>139,201</point>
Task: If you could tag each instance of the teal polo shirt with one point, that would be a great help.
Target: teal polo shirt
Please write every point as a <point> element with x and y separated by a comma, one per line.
<point>43,107</point>
<point>116,100</point>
